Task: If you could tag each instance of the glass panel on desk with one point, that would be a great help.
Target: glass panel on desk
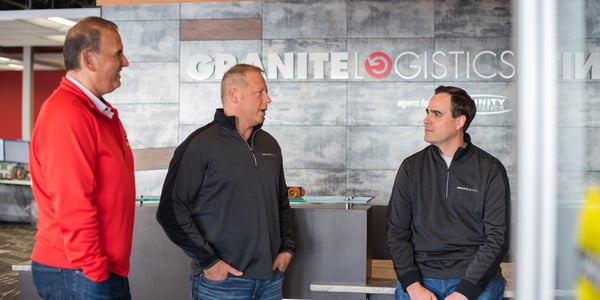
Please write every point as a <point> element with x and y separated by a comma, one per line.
<point>332,199</point>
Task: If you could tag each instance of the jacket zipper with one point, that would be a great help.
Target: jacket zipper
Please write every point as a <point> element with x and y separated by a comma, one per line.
<point>447,182</point>
<point>250,147</point>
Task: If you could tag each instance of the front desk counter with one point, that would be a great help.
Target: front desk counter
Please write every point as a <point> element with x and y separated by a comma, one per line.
<point>332,248</point>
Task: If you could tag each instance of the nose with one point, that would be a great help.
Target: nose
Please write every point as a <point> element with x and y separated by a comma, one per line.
<point>426,120</point>
<point>124,60</point>
<point>266,98</point>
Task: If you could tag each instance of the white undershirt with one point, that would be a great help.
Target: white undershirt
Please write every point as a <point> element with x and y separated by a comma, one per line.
<point>448,160</point>
<point>99,104</point>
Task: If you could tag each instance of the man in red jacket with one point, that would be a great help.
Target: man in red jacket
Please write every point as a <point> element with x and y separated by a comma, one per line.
<point>82,174</point>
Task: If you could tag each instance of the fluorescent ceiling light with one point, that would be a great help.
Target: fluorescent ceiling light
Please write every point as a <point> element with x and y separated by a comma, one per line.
<point>62,21</point>
<point>56,38</point>
<point>15,66</point>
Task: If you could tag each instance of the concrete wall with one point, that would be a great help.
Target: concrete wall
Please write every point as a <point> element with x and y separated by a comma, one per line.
<point>343,130</point>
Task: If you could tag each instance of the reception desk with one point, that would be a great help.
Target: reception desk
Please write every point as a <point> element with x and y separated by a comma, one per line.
<point>332,247</point>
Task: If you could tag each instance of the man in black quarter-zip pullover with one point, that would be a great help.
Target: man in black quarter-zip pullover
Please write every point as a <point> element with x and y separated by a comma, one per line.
<point>224,200</point>
<point>449,211</point>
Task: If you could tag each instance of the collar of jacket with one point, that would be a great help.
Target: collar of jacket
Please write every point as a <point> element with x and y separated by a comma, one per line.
<point>70,87</point>
<point>460,152</point>
<point>229,122</point>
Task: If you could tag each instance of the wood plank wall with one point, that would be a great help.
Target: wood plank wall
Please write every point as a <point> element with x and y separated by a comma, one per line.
<point>221,29</point>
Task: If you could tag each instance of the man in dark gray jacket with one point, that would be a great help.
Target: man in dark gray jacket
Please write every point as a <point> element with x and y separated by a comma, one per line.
<point>224,200</point>
<point>449,212</point>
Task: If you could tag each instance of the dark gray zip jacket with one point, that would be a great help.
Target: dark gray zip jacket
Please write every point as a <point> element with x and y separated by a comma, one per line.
<point>449,222</point>
<point>226,198</point>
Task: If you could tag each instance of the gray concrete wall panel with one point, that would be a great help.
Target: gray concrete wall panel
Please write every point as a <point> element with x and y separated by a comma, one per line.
<point>149,182</point>
<point>575,146</point>
<point>150,125</point>
<point>473,18</point>
<point>219,10</point>
<point>390,19</point>
<point>317,181</point>
<point>592,140</point>
<point>150,41</point>
<point>382,147</point>
<point>198,103</point>
<point>498,141</point>
<point>591,10</point>
<point>141,12</point>
<point>575,104</point>
<point>307,104</point>
<point>388,103</point>
<point>148,82</point>
<point>304,19</point>
<point>311,147</point>
<point>570,22</point>
<point>376,183</point>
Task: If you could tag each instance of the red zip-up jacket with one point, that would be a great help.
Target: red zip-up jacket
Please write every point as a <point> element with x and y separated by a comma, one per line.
<point>83,183</point>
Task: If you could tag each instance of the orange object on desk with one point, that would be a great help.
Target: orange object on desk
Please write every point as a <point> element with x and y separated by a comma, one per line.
<point>295,192</point>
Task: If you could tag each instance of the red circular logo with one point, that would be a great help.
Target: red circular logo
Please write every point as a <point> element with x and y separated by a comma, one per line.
<point>378,65</point>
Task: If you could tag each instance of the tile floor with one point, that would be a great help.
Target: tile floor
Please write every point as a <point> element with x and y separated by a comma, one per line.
<point>16,242</point>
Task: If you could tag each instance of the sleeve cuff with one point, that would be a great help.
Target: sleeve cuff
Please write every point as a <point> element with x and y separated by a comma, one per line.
<point>470,290</point>
<point>409,278</point>
<point>97,272</point>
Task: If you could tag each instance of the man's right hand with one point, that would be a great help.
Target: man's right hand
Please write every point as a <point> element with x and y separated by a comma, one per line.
<point>219,271</point>
<point>416,291</point>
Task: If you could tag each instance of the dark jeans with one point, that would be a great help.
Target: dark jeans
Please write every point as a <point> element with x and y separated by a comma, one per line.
<point>237,288</point>
<point>444,287</point>
<point>69,284</point>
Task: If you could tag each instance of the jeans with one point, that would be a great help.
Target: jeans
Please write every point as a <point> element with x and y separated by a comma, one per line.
<point>70,284</point>
<point>444,287</point>
<point>237,288</point>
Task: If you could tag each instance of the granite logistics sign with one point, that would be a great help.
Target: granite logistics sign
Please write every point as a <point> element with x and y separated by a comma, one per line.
<point>377,65</point>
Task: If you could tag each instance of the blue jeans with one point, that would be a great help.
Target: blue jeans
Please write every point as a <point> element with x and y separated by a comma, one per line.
<point>444,287</point>
<point>237,288</point>
<point>62,284</point>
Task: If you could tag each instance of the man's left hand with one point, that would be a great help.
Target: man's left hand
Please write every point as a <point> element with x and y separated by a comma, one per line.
<point>282,261</point>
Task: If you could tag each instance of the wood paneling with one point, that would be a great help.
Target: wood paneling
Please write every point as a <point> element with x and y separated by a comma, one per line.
<point>152,158</point>
<point>221,29</point>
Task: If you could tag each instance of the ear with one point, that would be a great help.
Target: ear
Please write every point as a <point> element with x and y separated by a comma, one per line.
<point>461,121</point>
<point>232,95</point>
<point>88,59</point>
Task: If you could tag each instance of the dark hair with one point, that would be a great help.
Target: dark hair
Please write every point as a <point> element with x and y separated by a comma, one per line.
<point>461,103</point>
<point>84,35</point>
<point>236,75</point>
